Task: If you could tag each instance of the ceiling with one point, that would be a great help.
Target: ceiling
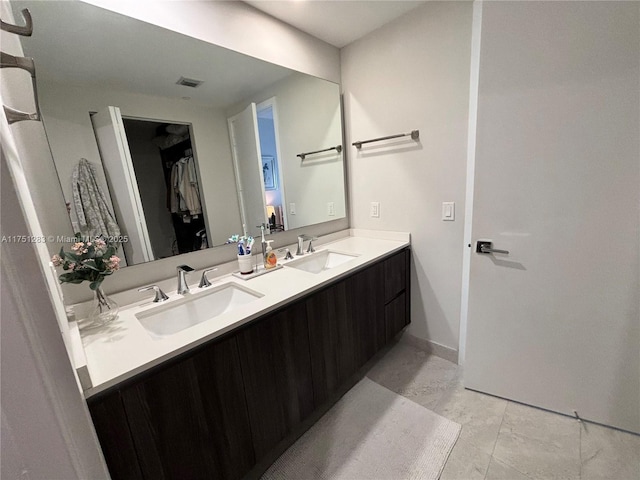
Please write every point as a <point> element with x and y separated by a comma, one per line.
<point>337,22</point>
<point>83,45</point>
<point>73,38</point>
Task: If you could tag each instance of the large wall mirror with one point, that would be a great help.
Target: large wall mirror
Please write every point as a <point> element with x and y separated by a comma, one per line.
<point>188,142</point>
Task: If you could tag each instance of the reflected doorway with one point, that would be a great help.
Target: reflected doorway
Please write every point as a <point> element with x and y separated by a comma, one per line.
<point>271,166</point>
<point>164,164</point>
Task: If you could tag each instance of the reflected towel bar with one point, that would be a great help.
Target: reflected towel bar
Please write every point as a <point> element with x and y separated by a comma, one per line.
<point>337,148</point>
<point>10,61</point>
<point>415,135</point>
<point>25,31</point>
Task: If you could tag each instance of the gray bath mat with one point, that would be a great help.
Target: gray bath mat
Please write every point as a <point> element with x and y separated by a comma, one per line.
<point>371,433</point>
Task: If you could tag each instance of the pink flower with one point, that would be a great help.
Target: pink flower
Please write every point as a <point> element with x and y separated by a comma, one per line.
<point>113,263</point>
<point>77,246</point>
<point>56,260</point>
<point>100,244</point>
<point>72,266</point>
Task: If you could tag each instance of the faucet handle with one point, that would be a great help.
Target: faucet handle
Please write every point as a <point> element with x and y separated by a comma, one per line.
<point>311,249</point>
<point>204,281</point>
<point>287,255</point>
<point>160,295</point>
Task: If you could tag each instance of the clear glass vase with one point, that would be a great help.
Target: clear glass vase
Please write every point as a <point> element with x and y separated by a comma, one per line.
<point>104,309</point>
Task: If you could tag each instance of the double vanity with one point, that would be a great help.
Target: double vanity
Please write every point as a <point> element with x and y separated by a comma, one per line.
<point>211,383</point>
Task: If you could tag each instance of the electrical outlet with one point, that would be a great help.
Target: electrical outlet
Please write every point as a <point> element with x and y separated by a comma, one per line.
<point>375,209</point>
<point>331,211</point>
<point>292,209</point>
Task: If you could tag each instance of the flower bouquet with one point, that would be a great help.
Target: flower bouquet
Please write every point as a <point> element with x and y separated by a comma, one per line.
<point>91,261</point>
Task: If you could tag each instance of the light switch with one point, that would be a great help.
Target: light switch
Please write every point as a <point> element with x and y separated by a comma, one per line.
<point>375,209</point>
<point>448,211</point>
<point>292,209</point>
<point>331,211</point>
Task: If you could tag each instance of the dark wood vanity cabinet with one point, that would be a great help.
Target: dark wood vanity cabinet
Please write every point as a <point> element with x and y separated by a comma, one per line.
<point>346,328</point>
<point>397,293</point>
<point>112,427</point>
<point>190,419</point>
<point>185,421</point>
<point>354,318</point>
<point>276,366</point>
<point>216,411</point>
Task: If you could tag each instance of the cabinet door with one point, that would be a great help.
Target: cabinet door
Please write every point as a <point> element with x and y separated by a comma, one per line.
<point>190,420</point>
<point>366,309</point>
<point>110,421</point>
<point>276,367</point>
<point>333,340</point>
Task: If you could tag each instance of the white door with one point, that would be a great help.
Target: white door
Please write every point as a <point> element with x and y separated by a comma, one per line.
<point>555,323</point>
<point>247,162</point>
<point>118,168</point>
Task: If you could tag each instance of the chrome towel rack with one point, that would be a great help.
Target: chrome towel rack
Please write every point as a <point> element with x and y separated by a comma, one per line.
<point>25,30</point>
<point>337,148</point>
<point>415,135</point>
<point>10,61</point>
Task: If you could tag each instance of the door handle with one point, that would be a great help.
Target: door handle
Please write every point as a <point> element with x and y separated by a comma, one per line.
<point>484,246</point>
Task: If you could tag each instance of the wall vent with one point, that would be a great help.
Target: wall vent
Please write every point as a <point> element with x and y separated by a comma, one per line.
<point>189,82</point>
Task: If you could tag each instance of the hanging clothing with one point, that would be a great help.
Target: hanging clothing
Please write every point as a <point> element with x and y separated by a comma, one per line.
<point>185,198</point>
<point>92,209</point>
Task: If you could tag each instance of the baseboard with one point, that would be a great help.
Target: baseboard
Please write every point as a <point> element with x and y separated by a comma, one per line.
<point>428,346</point>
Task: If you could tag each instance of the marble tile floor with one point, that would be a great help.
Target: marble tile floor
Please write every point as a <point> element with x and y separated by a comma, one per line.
<point>503,440</point>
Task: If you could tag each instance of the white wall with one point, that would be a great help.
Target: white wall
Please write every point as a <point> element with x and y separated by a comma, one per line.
<point>66,112</point>
<point>414,74</point>
<point>308,110</point>
<point>237,26</point>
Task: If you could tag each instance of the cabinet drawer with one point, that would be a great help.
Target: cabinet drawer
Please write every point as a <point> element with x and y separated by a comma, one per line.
<point>395,316</point>
<point>395,275</point>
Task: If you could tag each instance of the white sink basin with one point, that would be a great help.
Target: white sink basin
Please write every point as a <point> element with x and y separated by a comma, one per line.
<point>321,261</point>
<point>166,320</point>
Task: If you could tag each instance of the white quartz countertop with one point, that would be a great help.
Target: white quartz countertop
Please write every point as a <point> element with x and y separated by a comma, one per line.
<point>124,348</point>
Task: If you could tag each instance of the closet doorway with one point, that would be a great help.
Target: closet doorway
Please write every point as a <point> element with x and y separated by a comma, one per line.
<point>164,165</point>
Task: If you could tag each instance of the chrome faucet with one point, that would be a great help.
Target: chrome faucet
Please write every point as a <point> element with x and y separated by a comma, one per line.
<point>310,249</point>
<point>287,253</point>
<point>204,281</point>
<point>160,295</point>
<point>182,280</point>
<point>301,240</point>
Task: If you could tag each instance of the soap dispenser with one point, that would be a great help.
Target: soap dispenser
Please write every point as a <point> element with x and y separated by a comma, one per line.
<point>270,258</point>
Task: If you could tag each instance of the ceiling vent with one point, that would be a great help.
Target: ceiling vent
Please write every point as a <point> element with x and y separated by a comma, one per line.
<point>189,82</point>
